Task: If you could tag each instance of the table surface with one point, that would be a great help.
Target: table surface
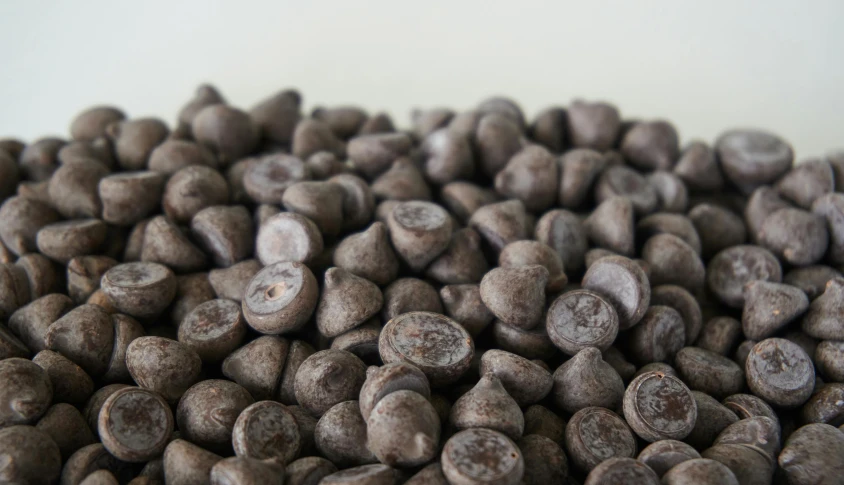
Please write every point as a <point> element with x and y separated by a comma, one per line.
<point>706,66</point>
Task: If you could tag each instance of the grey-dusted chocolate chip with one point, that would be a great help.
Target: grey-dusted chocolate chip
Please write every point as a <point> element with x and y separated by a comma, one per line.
<point>288,237</point>
<point>830,208</point>
<point>162,365</point>
<point>237,470</point>
<point>128,198</point>
<point>807,181</point>
<point>73,188</point>
<point>659,406</point>
<point>84,274</point>
<point>748,465</point>
<point>719,228</point>
<point>20,220</point>
<point>798,237</point>
<point>622,470</point>
<point>747,406</point>
<point>358,200</point>
<point>579,168</point>
<point>448,156</point>
<point>593,125</point>
<point>26,394</point>
<point>813,454</point>
<point>612,226</point>
<point>341,435</point>
<point>71,384</point>
<point>126,330</point>
<point>426,121</point>
<point>525,253</point>
<point>323,165</point>
<point>531,176</point>
<point>135,424</point>
<point>501,223</point>
<point>580,319</point>
<point>31,322</point>
<point>524,380</point>
<point>564,232</point>
<point>66,426</point>
<point>497,139</point>
<point>346,302</point>
<point>811,279</point>
<point>225,233</point>
<point>435,344</point>
<point>464,305</point>
<point>135,139</point>
<point>720,335</point>
<point>531,344</point>
<point>299,351</point>
<point>780,372</point>
<point>549,128</point>
<point>587,380</point>
<point>712,418</point>
<point>62,241</point>
<point>192,189</point>
<point>14,289</point>
<point>258,365</point>
<point>482,456</point>
<point>700,471</point>
<point>30,456</point>
<point>515,295</point>
<point>227,131</point>
<point>829,359</point>
<point>166,243</point>
<point>321,202</point>
<point>328,377</point>
<point>309,470</point>
<point>420,231</point>
<point>192,290</point>
<point>621,181</point>
<point>759,433</point>
<point>208,410</point>
<point>651,145</point>
<point>409,295</point>
<point>617,360</point>
<point>230,283</point>
<point>276,117</point>
<point>403,429</point>
<point>539,420</point>
<point>666,223</point>
<point>280,298</point>
<point>344,121</point>
<point>596,434</point>
<point>751,158</point>
<point>706,371</point>
<point>362,475</point>
<point>464,198</point>
<point>729,270</point>
<point>672,261</point>
<point>681,300</point>
<point>402,181</point>
<point>822,321</point>
<point>378,123</point>
<point>139,289</point>
<point>38,159</point>
<point>174,155</point>
<point>11,346</point>
<point>381,381</point>
<point>186,463</point>
<point>267,179</point>
<point>213,329</point>
<point>361,341</point>
<point>763,202</point>
<point>545,461</point>
<point>85,335</point>
<point>769,307</point>
<point>267,431</point>
<point>42,274</point>
<point>92,122</point>
<point>662,456</point>
<point>624,284</point>
<point>373,154</point>
<point>311,136</point>
<point>462,261</point>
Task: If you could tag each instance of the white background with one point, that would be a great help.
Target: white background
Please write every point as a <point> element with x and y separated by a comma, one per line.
<point>706,66</point>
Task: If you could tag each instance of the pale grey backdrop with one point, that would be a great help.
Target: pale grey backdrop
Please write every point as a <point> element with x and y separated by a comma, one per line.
<point>705,65</point>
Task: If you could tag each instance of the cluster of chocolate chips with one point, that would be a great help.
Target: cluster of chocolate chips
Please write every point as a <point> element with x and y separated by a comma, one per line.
<point>267,297</point>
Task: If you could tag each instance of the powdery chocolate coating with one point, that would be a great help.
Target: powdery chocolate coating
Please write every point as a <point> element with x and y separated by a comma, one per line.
<point>288,237</point>
<point>479,456</point>
<point>208,410</point>
<point>139,289</point>
<point>266,430</point>
<point>327,378</point>
<point>706,371</point>
<point>420,231</point>
<point>341,436</point>
<point>664,455</point>
<point>813,454</point>
<point>403,429</point>
<point>389,378</point>
<point>437,345</point>
<point>213,329</point>
<point>621,470</point>
<point>163,365</point>
<point>780,372</point>
<point>135,424</point>
<point>587,380</point>
<point>659,406</point>
<point>596,434</point>
<point>280,298</point>
<point>368,254</point>
<point>62,241</point>
<point>624,284</point>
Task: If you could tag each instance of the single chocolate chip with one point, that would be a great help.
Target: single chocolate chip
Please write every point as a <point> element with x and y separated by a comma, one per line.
<point>373,154</point>
<point>62,241</point>
<point>192,189</point>
<point>66,426</point>
<point>624,284</point>
<point>593,125</point>
<point>822,321</point>
<point>497,139</point>
<point>673,262</point>
<point>346,302</point>
<point>14,289</point>
<point>448,156</point>
<point>227,131</point>
<point>186,463</point>
<point>288,237</point>
<point>27,392</point>
<point>361,341</point>
<point>769,307</point>
<point>748,465</point>
<point>135,139</point>
<point>720,335</point>
<point>830,207</point>
<point>267,431</point>
<point>706,371</point>
<point>403,429</point>
<point>328,377</point>
<point>780,372</point>
<point>20,220</point>
<point>763,202</point>
<point>213,329</point>
<point>358,201</point>
<point>162,365</point>
<point>545,461</point>
<point>208,410</point>
<point>531,176</point>
<point>280,298</point>
<point>712,418</point>
<point>811,279</point>
<point>612,226</point>
<point>828,359</point>
<point>501,223</point>
<point>751,158</point>
<point>403,181</point>
<point>596,434</point>
<point>462,261</point>
<point>409,295</point>
<point>309,470</point>
<point>30,456</point>
<point>621,181</point>
<point>168,244</point>
<point>622,470</point>
<point>482,456</point>
<point>38,160</point>
<point>587,380</point>
<point>420,231</point>
<point>70,383</point>
<point>139,289</point>
<point>798,237</point>
<point>719,228</point>
<point>321,202</point>
<point>258,365</point>
<point>516,295</point>
<point>666,223</point>
<point>174,155</point>
<point>362,475</point>
<point>524,380</point>
<point>564,232</point>
<point>464,198</point>
<point>129,198</point>
<point>135,424</point>
<point>813,454</point>
<point>580,319</point>
<point>85,335</point>
<point>464,305</point>
<point>662,456</point>
<point>748,406</point>
<point>700,471</point>
<point>659,406</point>
<point>341,435</point>
<point>435,344</point>
<point>729,270</point>
<point>225,233</point>
<point>276,117</point>
<point>651,145</point>
<point>230,283</point>
<point>11,346</point>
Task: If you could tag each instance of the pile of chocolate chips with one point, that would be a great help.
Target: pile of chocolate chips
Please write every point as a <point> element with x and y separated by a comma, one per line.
<point>270,297</point>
